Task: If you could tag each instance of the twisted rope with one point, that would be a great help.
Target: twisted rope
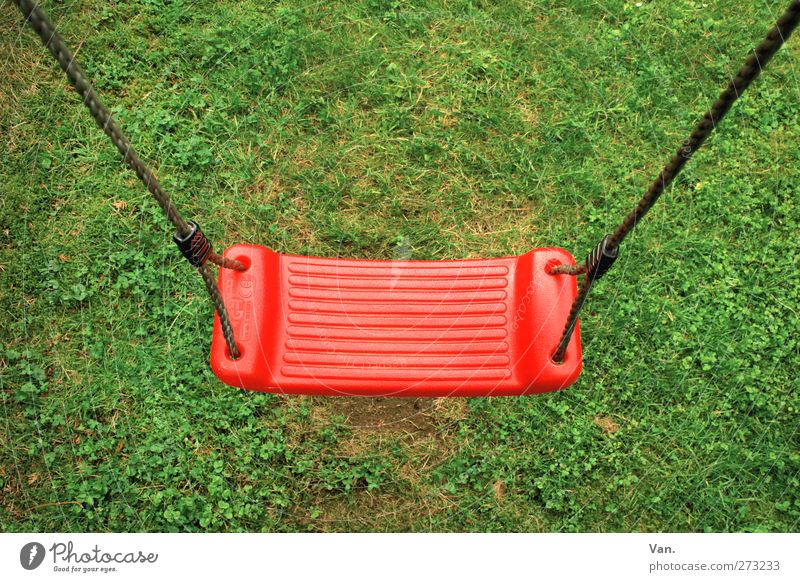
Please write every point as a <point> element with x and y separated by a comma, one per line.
<point>52,40</point>
<point>751,69</point>
<point>749,72</point>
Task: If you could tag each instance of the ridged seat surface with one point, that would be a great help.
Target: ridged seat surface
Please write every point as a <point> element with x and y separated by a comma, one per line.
<point>396,328</point>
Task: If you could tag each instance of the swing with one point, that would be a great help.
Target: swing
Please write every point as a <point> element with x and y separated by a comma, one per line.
<point>389,328</point>
<point>478,327</point>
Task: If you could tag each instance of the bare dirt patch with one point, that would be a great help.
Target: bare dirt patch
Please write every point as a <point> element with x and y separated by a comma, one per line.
<point>606,424</point>
<point>422,427</point>
<point>404,415</point>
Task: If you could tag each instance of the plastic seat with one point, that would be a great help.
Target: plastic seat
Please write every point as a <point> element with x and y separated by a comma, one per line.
<point>309,325</point>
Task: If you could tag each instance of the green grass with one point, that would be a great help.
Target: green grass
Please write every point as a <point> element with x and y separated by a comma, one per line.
<point>377,129</point>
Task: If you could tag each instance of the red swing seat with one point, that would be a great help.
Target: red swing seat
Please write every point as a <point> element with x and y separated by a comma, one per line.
<point>476,327</point>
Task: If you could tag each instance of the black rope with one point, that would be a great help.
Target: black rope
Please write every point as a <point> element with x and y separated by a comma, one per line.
<point>747,74</point>
<point>184,230</point>
<point>755,63</point>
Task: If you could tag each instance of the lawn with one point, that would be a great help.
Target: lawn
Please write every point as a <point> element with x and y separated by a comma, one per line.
<point>395,129</point>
